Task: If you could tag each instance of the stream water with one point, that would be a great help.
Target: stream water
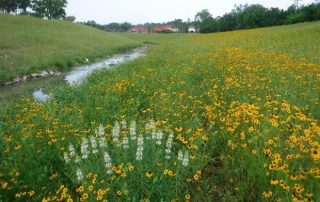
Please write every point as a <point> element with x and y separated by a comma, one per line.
<point>79,73</point>
<point>38,87</point>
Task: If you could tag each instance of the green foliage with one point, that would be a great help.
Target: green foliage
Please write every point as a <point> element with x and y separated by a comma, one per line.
<point>305,13</point>
<point>182,26</point>
<point>51,9</point>
<point>24,4</point>
<point>8,5</point>
<point>253,16</point>
<point>70,18</point>
<point>205,22</point>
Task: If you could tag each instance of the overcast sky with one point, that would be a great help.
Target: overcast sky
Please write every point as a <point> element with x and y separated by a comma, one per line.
<point>141,11</point>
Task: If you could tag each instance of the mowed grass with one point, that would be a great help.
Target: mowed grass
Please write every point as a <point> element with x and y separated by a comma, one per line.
<point>28,45</point>
<point>220,117</point>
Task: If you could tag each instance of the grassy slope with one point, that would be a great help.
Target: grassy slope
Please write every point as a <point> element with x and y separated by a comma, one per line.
<point>29,44</point>
<point>246,101</point>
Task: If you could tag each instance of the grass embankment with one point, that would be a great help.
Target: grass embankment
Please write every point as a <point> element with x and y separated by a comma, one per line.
<point>242,108</point>
<point>28,45</point>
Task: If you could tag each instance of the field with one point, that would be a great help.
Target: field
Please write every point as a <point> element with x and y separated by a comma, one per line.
<point>28,45</point>
<point>231,116</point>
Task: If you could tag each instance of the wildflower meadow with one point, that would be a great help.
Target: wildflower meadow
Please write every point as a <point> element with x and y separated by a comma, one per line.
<point>231,116</point>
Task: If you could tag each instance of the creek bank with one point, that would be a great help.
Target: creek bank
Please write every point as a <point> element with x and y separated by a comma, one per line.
<point>42,74</point>
<point>38,84</point>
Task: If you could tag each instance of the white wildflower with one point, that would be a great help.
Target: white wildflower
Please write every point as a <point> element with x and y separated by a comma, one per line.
<point>124,124</point>
<point>185,161</point>
<point>169,146</point>
<point>159,137</point>
<point>139,154</point>
<point>140,141</point>
<point>84,148</point>
<point>116,133</point>
<point>94,144</point>
<point>154,134</point>
<point>133,132</point>
<point>66,157</point>
<point>125,143</point>
<point>108,162</point>
<point>72,151</point>
<point>100,132</point>
<point>79,175</point>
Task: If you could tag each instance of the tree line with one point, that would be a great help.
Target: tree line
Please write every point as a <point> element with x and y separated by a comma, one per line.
<point>241,17</point>
<point>50,9</point>
<point>124,27</point>
<point>256,15</point>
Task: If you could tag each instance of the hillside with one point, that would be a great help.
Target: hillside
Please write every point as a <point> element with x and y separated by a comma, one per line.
<point>28,45</point>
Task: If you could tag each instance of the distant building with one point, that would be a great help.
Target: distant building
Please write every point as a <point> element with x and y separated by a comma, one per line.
<point>164,28</point>
<point>139,30</point>
<point>192,29</point>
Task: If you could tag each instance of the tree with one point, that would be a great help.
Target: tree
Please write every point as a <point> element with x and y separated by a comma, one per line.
<point>51,9</point>
<point>251,16</point>
<point>125,27</point>
<point>204,21</point>
<point>227,22</point>
<point>113,27</point>
<point>203,15</point>
<point>8,6</point>
<point>23,5</point>
<point>70,18</point>
<point>274,16</point>
<point>178,23</point>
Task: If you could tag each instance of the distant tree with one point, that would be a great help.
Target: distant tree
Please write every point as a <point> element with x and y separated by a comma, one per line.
<point>148,26</point>
<point>204,21</point>
<point>305,13</point>
<point>202,16</point>
<point>23,5</point>
<point>8,6</point>
<point>178,23</point>
<point>51,9</point>
<point>251,16</point>
<point>113,27</point>
<point>125,27</point>
<point>227,22</point>
<point>70,18</point>
<point>274,16</point>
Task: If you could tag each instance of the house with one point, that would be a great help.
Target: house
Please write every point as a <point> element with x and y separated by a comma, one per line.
<point>138,30</point>
<point>192,29</point>
<point>164,28</point>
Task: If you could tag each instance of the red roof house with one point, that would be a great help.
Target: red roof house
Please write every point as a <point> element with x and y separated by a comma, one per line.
<point>164,28</point>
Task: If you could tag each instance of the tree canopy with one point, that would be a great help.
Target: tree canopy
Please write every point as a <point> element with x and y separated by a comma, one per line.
<point>256,15</point>
<point>51,9</point>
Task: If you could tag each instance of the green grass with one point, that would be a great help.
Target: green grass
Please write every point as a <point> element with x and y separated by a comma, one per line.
<point>243,105</point>
<point>28,45</point>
